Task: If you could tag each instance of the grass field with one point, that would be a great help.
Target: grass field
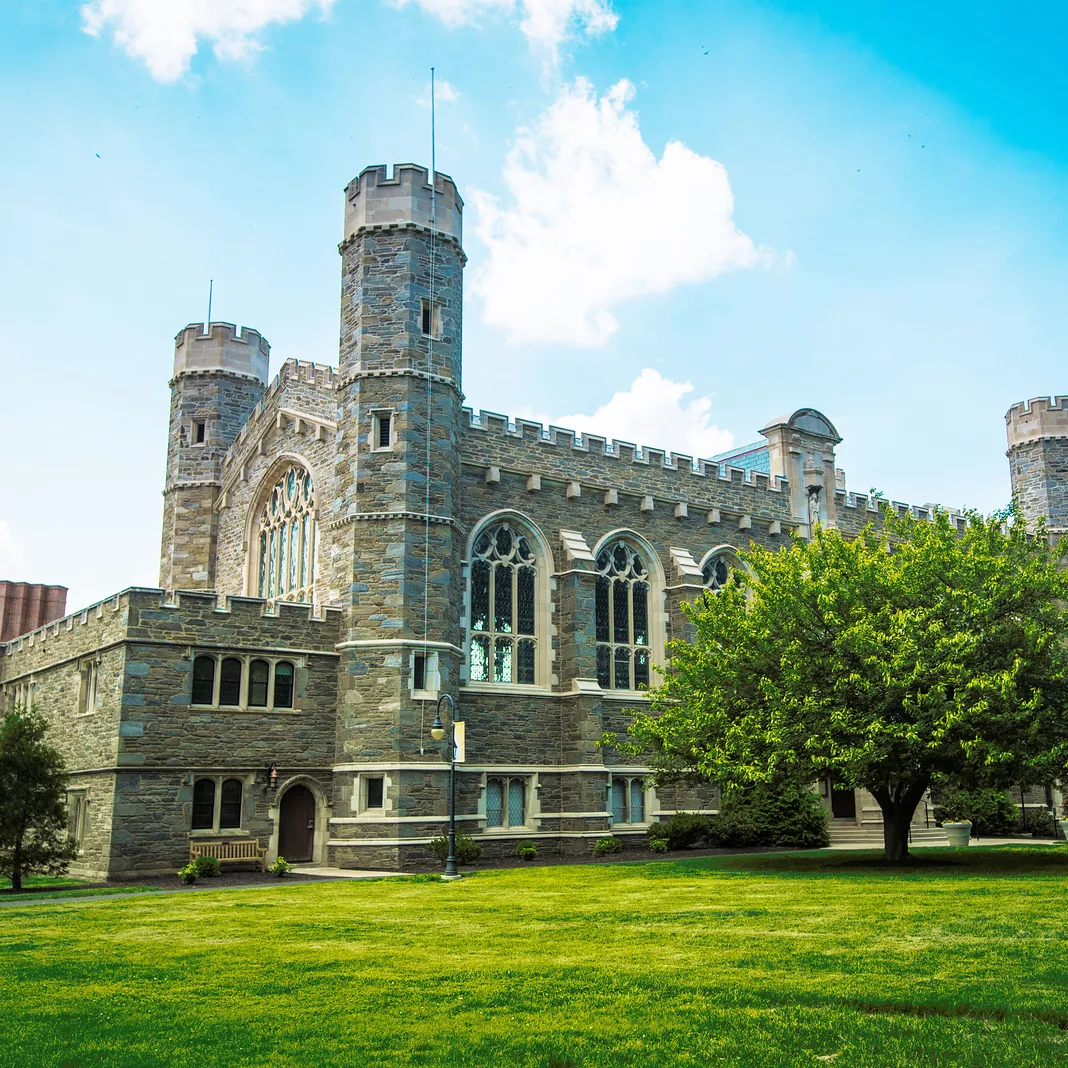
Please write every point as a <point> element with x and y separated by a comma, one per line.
<point>786,959</point>
<point>41,886</point>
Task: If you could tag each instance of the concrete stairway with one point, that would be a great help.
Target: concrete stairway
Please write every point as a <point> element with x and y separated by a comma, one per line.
<point>847,834</point>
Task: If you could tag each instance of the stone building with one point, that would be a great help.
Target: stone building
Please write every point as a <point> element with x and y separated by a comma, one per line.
<point>344,544</point>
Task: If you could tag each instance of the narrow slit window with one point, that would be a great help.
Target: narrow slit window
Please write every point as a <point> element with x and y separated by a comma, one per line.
<point>200,429</point>
<point>383,430</point>
<point>419,672</point>
<point>430,319</point>
<point>375,791</point>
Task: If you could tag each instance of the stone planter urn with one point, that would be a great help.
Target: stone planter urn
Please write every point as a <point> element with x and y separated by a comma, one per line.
<point>958,833</point>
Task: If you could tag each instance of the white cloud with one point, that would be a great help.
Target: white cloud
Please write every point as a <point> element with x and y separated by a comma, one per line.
<point>12,552</point>
<point>165,34</point>
<point>655,411</point>
<point>545,23</point>
<point>444,93</point>
<point>596,219</point>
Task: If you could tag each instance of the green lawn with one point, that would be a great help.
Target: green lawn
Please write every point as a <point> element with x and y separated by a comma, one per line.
<point>61,887</point>
<point>759,960</point>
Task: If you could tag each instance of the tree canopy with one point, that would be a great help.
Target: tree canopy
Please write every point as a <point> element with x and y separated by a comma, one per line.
<point>910,650</point>
<point>33,811</point>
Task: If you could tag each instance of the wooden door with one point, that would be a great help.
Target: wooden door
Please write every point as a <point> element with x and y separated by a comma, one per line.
<point>296,824</point>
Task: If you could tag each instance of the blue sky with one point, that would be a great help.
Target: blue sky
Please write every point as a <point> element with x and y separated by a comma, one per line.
<point>683,217</point>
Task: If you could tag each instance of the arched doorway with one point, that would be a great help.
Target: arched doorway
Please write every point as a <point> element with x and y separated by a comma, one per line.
<point>296,824</point>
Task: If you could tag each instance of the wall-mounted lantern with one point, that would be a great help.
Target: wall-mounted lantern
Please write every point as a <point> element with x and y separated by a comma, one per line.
<point>272,777</point>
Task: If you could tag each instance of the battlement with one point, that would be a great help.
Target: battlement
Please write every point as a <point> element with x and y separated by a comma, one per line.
<point>223,348</point>
<point>1037,418</point>
<point>870,507</point>
<point>317,378</point>
<point>378,199</point>
<point>526,431</point>
<point>142,611</point>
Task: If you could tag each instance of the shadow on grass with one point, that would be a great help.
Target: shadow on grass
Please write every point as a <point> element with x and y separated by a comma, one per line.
<point>976,861</point>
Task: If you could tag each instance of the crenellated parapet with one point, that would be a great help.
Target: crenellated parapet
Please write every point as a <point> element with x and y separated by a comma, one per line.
<point>377,199</point>
<point>140,613</point>
<point>223,348</point>
<point>1037,432</point>
<point>301,395</point>
<point>1037,418</point>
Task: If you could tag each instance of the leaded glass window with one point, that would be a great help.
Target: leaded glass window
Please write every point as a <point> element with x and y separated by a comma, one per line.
<point>230,804</point>
<point>506,802</point>
<point>230,682</point>
<point>259,674</point>
<point>627,800</point>
<point>503,607</point>
<point>204,680</point>
<point>203,805</point>
<point>622,618</point>
<point>286,541</point>
<point>283,684</point>
<point>717,571</point>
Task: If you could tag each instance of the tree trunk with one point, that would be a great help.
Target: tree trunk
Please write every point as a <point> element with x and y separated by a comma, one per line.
<point>898,803</point>
<point>16,866</point>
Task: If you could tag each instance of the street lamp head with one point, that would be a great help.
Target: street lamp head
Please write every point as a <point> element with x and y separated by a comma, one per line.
<point>437,731</point>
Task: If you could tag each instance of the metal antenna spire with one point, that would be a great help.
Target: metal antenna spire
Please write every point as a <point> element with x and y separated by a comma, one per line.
<point>433,151</point>
<point>207,324</point>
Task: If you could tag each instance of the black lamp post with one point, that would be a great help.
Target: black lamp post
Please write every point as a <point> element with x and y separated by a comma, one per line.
<point>437,732</point>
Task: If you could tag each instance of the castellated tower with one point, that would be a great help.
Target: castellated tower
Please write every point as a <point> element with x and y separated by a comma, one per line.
<point>219,377</point>
<point>1038,460</point>
<point>396,531</point>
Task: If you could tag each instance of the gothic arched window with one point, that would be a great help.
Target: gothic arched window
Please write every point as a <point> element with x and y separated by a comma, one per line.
<point>504,570</point>
<point>622,618</point>
<point>286,538</point>
<point>719,567</point>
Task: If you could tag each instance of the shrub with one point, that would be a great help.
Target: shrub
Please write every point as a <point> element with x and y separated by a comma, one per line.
<point>991,812</point>
<point>605,847</point>
<point>1040,822</point>
<point>188,874</point>
<point>467,849</point>
<point>770,814</point>
<point>281,867</point>
<point>659,845</point>
<point>685,830</point>
<point>207,867</point>
<point>526,850</point>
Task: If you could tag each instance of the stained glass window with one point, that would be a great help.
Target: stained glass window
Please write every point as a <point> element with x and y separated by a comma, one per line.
<point>503,605</point>
<point>287,538</point>
<point>517,794</point>
<point>622,618</point>
<point>495,803</point>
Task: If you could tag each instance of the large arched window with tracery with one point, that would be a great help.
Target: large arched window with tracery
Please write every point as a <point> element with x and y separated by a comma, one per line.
<point>287,538</point>
<point>504,573</point>
<point>622,618</point>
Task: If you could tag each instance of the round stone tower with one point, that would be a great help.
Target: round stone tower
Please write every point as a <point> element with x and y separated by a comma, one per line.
<point>219,377</point>
<point>1038,460</point>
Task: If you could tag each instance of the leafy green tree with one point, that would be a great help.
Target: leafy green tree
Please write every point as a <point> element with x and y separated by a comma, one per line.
<point>881,661</point>
<point>33,811</point>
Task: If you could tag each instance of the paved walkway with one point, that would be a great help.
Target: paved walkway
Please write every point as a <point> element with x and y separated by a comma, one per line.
<point>321,870</point>
<point>876,843</point>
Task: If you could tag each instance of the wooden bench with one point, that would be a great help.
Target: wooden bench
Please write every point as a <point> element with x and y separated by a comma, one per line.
<point>242,851</point>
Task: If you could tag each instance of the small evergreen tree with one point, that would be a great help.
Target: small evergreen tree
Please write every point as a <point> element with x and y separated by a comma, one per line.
<point>33,810</point>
